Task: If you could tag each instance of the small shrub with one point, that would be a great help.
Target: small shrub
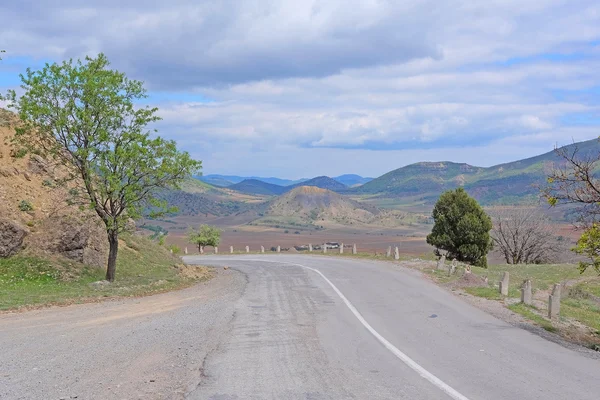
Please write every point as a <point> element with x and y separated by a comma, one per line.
<point>22,152</point>
<point>25,206</point>
<point>47,183</point>
<point>176,249</point>
<point>286,231</point>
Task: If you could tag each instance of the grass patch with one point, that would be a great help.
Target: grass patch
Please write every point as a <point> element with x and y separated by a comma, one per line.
<point>543,276</point>
<point>485,292</point>
<point>591,286</point>
<point>528,313</point>
<point>143,268</point>
<point>583,310</point>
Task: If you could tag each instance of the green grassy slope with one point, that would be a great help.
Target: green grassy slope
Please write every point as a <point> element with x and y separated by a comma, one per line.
<point>143,267</point>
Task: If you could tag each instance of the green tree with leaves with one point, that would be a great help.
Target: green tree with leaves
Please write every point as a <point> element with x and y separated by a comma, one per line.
<point>205,235</point>
<point>588,245</point>
<point>87,117</point>
<point>461,228</point>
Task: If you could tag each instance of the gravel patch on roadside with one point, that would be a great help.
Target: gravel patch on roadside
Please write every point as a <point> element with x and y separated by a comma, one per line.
<point>142,348</point>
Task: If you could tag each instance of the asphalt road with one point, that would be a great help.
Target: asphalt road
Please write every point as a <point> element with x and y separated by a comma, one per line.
<point>287,327</point>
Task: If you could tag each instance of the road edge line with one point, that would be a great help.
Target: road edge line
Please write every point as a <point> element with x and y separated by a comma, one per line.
<point>412,364</point>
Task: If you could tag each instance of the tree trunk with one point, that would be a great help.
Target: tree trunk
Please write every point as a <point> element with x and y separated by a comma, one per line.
<point>113,241</point>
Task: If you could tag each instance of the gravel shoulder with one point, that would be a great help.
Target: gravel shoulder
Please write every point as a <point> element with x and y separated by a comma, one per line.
<point>142,348</point>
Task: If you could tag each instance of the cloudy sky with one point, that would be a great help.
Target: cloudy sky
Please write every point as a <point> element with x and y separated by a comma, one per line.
<point>302,88</point>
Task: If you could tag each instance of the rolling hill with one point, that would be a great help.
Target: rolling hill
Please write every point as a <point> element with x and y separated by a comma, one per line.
<point>310,207</point>
<point>197,197</point>
<point>255,186</point>
<point>510,183</point>
<point>323,182</point>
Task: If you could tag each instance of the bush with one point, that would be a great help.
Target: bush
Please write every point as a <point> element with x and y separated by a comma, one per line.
<point>25,205</point>
<point>461,228</point>
<point>22,152</point>
<point>174,248</point>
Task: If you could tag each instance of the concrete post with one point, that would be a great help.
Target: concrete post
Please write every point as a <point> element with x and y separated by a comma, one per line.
<point>310,248</point>
<point>452,269</point>
<point>441,264</point>
<point>388,254</point>
<point>171,250</point>
<point>247,249</point>
<point>504,284</point>
<point>279,249</point>
<point>396,253</point>
<point>342,248</point>
<point>216,250</point>
<point>262,249</point>
<point>526,293</point>
<point>354,249</point>
<point>324,248</point>
<point>554,302</point>
<point>231,249</point>
<point>185,250</point>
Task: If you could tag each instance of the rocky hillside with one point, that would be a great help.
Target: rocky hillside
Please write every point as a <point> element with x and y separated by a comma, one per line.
<point>313,205</point>
<point>34,215</point>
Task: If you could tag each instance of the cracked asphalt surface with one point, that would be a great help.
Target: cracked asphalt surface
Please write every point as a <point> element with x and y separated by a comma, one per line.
<point>268,329</point>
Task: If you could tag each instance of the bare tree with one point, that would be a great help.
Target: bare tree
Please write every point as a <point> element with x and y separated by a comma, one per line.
<point>524,236</point>
<point>575,180</point>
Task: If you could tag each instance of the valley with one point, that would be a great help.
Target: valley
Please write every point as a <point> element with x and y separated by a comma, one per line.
<point>393,209</point>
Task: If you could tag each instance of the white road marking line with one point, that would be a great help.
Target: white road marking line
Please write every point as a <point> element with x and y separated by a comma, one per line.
<point>450,391</point>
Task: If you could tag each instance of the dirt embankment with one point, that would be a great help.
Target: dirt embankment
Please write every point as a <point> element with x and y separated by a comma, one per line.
<point>34,208</point>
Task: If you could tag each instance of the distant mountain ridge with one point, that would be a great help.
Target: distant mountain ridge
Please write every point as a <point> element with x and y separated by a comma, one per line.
<point>351,180</point>
<point>516,182</point>
<point>509,183</point>
<point>228,180</point>
<point>255,186</point>
<point>323,182</point>
<point>258,187</point>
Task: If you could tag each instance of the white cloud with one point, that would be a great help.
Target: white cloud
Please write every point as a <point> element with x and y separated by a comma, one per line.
<point>419,77</point>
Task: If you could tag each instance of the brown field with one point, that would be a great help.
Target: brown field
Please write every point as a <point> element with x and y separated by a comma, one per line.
<point>236,232</point>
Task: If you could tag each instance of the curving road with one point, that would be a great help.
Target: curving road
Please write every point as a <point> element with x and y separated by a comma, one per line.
<point>287,327</point>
